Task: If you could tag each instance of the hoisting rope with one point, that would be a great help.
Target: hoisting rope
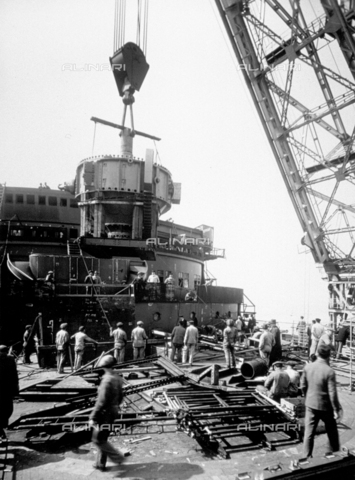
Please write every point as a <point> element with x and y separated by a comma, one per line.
<point>120,24</point>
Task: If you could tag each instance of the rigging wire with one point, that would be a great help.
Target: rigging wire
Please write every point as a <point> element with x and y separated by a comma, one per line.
<point>157,153</point>
<point>145,30</point>
<point>115,27</point>
<point>123,25</point>
<point>139,14</point>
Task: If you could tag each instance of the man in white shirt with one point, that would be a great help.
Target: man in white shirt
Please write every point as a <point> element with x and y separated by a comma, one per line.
<point>80,339</point>
<point>295,379</point>
<point>62,344</point>
<point>153,278</point>
<point>191,341</point>
<point>120,339</point>
<point>317,331</point>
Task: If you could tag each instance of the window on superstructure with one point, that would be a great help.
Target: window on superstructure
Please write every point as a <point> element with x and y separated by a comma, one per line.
<point>41,200</point>
<point>52,201</point>
<point>19,198</point>
<point>73,203</point>
<point>63,202</point>
<point>180,280</point>
<point>30,199</point>
<point>197,281</point>
<point>9,198</point>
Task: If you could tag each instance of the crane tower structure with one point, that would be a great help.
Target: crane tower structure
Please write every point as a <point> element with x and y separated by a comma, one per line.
<point>298,61</point>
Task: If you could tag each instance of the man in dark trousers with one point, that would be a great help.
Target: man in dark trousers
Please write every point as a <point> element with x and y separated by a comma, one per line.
<point>120,339</point>
<point>276,351</point>
<point>177,340</point>
<point>318,385</point>
<point>105,412</point>
<point>9,388</point>
<point>29,345</point>
<point>62,344</point>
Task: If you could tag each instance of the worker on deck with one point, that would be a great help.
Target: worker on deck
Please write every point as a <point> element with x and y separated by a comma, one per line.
<point>9,388</point>
<point>29,344</point>
<point>276,384</point>
<point>295,379</point>
<point>62,344</point>
<point>194,318</point>
<point>266,343</point>
<point>190,342</point>
<point>251,324</point>
<point>105,412</point>
<point>169,287</point>
<point>139,338</point>
<point>97,281</point>
<point>177,340</point>
<point>120,342</point>
<point>276,351</point>
<point>318,384</point>
<point>229,340</point>
<point>153,282</point>
<point>239,326</point>
<point>341,338</point>
<point>309,334</point>
<point>326,338</point>
<point>80,339</point>
<point>153,278</point>
<point>317,332</point>
<point>90,281</point>
<point>139,286</point>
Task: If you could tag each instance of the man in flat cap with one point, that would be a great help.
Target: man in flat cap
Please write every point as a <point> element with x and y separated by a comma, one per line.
<point>62,344</point>
<point>276,383</point>
<point>318,383</point>
<point>266,343</point>
<point>190,342</point>
<point>316,331</point>
<point>80,339</point>
<point>139,338</point>
<point>326,338</point>
<point>120,339</point>
<point>229,341</point>
<point>276,351</point>
<point>9,388</point>
<point>109,398</point>
<point>295,378</point>
<point>29,344</point>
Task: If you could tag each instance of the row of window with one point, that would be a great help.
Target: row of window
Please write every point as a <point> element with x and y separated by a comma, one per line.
<point>35,233</point>
<point>41,200</point>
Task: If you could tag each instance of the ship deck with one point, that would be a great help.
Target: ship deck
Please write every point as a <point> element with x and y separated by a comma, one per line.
<point>172,455</point>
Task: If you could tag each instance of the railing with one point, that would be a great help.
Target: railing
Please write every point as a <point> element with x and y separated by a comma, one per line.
<point>87,290</point>
<point>155,292</point>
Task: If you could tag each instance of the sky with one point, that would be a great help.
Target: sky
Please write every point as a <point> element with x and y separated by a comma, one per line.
<point>193,98</point>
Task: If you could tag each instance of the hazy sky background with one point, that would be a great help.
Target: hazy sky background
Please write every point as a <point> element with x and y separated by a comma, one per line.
<point>193,98</point>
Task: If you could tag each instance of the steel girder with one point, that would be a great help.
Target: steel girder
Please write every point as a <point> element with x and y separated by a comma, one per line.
<point>289,54</point>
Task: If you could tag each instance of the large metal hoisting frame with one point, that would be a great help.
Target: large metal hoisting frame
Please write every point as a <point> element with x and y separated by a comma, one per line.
<point>288,53</point>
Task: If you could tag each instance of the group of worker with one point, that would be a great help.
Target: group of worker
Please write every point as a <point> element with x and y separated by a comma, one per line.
<point>318,385</point>
<point>138,337</point>
<point>184,340</point>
